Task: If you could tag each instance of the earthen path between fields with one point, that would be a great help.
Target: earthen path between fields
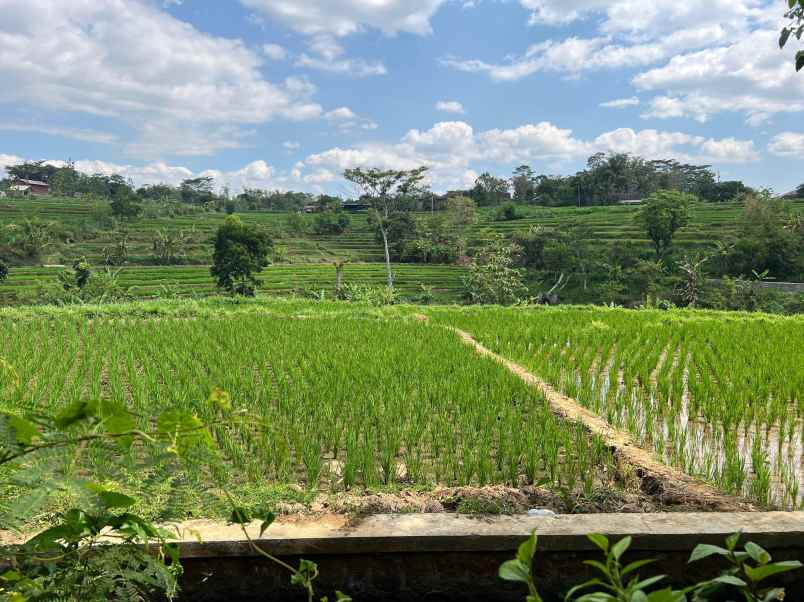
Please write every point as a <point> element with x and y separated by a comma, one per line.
<point>666,484</point>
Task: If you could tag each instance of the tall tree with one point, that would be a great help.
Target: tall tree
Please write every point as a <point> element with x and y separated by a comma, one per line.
<point>32,170</point>
<point>387,191</point>
<point>490,190</point>
<point>197,190</point>
<point>241,252</point>
<point>795,28</point>
<point>524,184</point>
<point>663,213</point>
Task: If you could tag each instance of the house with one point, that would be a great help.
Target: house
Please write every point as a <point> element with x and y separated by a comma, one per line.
<point>625,198</point>
<point>21,186</point>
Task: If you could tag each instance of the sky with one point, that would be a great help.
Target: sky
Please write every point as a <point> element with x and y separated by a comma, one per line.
<point>286,94</point>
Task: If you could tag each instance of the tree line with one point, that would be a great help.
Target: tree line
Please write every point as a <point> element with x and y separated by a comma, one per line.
<point>607,179</point>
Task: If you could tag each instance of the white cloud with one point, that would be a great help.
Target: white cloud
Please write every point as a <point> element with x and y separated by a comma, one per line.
<point>751,76</point>
<point>136,63</point>
<point>83,135</point>
<point>654,144</point>
<point>345,17</point>
<point>621,103</point>
<point>275,52</point>
<point>8,160</point>
<point>291,145</point>
<point>700,57</point>
<point>328,55</point>
<point>340,113</point>
<point>345,119</point>
<point>787,144</point>
<point>451,149</point>
<point>659,16</point>
<point>450,106</point>
<point>574,55</point>
<point>455,153</point>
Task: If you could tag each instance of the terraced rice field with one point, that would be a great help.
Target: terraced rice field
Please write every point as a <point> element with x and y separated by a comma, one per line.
<point>716,395</point>
<point>605,225</point>
<point>170,281</point>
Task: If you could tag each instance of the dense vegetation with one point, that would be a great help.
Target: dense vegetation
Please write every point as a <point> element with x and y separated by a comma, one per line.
<point>682,244</point>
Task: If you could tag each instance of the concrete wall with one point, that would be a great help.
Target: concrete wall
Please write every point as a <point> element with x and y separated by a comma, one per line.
<point>449,557</point>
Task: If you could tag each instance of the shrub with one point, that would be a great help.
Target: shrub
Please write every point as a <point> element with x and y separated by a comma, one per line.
<point>369,295</point>
<point>507,212</point>
<point>331,222</point>
<point>492,276</point>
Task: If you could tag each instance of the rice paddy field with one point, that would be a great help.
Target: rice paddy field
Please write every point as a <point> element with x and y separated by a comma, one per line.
<point>604,226</point>
<point>283,279</point>
<point>363,399</point>
<point>717,395</point>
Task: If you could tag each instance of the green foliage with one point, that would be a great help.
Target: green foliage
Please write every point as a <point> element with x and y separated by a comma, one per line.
<point>506,212</point>
<point>241,252</point>
<point>389,193</point>
<point>747,573</point>
<point>523,182</point>
<point>99,549</point>
<point>30,238</point>
<point>795,28</point>
<point>620,582</point>
<point>461,211</point>
<point>693,280</point>
<point>492,276</point>
<point>78,277</point>
<point>377,296</point>
<point>3,271</point>
<point>331,222</point>
<point>170,246</point>
<point>399,229</point>
<point>664,213</point>
<point>432,240</point>
<point>73,558</point>
<point>489,190</point>
<point>197,191</point>
<point>520,569</point>
<point>770,237</point>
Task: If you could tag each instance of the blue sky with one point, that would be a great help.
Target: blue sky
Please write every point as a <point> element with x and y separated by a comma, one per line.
<point>288,93</point>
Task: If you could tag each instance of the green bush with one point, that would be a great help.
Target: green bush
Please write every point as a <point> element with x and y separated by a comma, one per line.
<point>506,212</point>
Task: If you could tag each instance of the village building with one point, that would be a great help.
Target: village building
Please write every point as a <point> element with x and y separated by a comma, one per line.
<point>35,187</point>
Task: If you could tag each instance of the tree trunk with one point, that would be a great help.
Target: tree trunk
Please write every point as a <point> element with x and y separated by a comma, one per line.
<point>338,278</point>
<point>387,258</point>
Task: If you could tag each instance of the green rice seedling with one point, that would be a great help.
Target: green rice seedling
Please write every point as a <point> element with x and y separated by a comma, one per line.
<point>675,380</point>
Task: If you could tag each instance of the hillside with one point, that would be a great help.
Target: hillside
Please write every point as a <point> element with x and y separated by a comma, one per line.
<point>305,262</point>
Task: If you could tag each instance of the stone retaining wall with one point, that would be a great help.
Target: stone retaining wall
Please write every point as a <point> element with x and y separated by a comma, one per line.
<point>449,557</point>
